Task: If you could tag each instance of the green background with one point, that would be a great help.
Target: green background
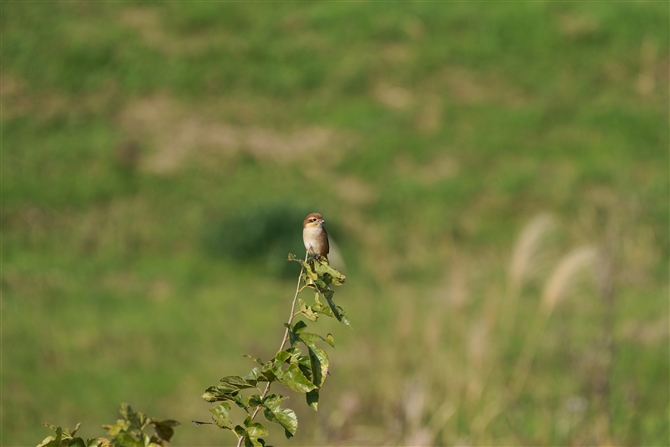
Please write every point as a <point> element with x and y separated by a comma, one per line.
<point>158,159</point>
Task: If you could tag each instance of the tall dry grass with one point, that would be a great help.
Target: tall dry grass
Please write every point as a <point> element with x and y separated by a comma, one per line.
<point>446,376</point>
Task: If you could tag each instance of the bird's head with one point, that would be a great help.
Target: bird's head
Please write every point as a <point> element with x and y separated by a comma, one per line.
<point>313,220</point>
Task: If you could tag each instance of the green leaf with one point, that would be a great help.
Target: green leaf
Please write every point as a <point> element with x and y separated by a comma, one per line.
<point>309,338</point>
<point>254,377</point>
<point>295,380</point>
<point>231,384</point>
<point>255,359</point>
<point>331,275</point>
<point>338,311</point>
<point>252,442</point>
<point>270,369</point>
<point>282,416</point>
<point>164,429</point>
<point>330,340</point>
<point>240,401</point>
<point>294,351</point>
<point>127,440</point>
<point>323,309</point>
<point>76,442</point>
<point>282,356</point>
<point>212,394</point>
<point>255,400</point>
<point>126,411</point>
<point>292,336</point>
<point>307,310</point>
<point>121,425</point>
<point>221,416</point>
<point>306,367</point>
<point>310,274</point>
<point>49,441</point>
<point>310,315</point>
<point>51,426</point>
<point>251,433</point>
<point>319,361</point>
<point>255,429</point>
<point>313,399</point>
<point>331,310</point>
<point>294,332</point>
<point>299,327</point>
<point>76,428</point>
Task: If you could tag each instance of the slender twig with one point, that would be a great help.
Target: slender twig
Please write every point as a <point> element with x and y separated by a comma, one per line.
<point>290,319</point>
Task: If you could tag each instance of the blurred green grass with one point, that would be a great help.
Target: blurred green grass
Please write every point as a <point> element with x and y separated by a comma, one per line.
<point>428,134</point>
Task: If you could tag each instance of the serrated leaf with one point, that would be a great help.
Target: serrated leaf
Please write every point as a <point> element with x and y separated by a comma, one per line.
<point>313,399</point>
<point>295,380</point>
<point>221,416</point>
<point>282,416</point>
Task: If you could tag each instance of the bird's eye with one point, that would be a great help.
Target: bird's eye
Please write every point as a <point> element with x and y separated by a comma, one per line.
<point>313,219</point>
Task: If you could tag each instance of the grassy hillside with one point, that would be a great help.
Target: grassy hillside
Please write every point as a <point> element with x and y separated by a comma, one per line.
<point>158,159</point>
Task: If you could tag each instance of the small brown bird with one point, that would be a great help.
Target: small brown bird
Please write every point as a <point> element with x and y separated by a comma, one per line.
<point>314,235</point>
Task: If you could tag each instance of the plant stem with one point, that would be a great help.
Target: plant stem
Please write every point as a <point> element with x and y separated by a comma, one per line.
<point>290,319</point>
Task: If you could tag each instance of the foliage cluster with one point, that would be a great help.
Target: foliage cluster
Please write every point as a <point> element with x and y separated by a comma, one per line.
<point>132,430</point>
<point>301,373</point>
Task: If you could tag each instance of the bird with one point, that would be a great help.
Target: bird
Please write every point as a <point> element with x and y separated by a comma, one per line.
<point>314,236</point>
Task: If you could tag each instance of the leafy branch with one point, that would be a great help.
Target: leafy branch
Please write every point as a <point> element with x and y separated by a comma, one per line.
<point>302,373</point>
<point>129,431</point>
